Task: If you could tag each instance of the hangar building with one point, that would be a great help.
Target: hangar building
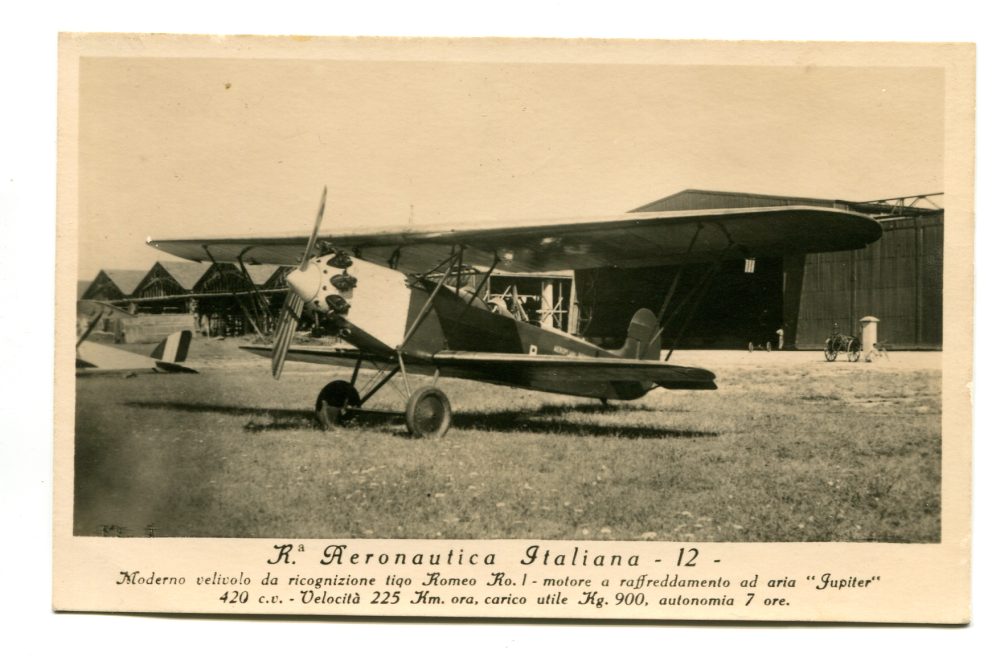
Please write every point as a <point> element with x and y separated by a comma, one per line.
<point>222,299</point>
<point>112,285</point>
<point>897,279</point>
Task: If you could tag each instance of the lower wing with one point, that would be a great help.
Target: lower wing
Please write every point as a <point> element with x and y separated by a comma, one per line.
<point>321,355</point>
<point>582,368</point>
<point>515,367</point>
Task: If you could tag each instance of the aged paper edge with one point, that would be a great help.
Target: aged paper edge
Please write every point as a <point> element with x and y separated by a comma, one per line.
<point>930,582</point>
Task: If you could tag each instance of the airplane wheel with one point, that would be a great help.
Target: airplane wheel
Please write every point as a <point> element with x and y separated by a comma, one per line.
<point>428,413</point>
<point>332,401</point>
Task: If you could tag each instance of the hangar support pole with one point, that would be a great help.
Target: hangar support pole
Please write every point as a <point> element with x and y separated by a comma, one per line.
<point>573,323</point>
<point>547,304</point>
<point>793,276</point>
<point>918,289</point>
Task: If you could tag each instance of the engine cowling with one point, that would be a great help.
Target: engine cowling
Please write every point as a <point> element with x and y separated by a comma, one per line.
<point>372,298</point>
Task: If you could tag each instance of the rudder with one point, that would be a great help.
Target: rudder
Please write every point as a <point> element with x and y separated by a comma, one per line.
<point>643,337</point>
<point>174,349</point>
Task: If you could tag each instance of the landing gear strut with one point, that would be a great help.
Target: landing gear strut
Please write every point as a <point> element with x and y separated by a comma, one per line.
<point>427,413</point>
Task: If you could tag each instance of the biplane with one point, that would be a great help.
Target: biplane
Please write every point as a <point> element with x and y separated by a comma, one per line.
<point>96,358</point>
<point>400,300</point>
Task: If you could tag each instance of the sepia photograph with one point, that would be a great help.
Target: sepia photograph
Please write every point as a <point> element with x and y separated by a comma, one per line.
<point>587,307</point>
<point>538,300</point>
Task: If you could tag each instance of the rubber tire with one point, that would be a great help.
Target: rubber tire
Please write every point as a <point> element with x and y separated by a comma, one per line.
<point>854,351</point>
<point>428,413</point>
<point>332,401</point>
<point>829,354</point>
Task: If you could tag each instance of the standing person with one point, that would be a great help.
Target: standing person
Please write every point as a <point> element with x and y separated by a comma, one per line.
<point>781,337</point>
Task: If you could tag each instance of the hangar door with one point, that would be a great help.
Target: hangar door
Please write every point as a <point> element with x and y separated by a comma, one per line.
<point>735,308</point>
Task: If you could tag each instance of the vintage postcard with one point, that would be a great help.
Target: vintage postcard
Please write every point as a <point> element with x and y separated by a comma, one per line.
<point>622,330</point>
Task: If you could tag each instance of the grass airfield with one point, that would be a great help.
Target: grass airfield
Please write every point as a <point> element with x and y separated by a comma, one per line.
<point>790,448</point>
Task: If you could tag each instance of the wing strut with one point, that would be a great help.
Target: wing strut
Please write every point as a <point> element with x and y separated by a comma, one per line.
<point>677,277</point>
<point>90,328</point>
<point>448,265</point>
<point>486,278</point>
<point>236,294</point>
<point>260,302</point>
<point>697,293</point>
<point>427,304</point>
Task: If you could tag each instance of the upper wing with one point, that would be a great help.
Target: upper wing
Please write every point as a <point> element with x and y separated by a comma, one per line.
<point>627,240</point>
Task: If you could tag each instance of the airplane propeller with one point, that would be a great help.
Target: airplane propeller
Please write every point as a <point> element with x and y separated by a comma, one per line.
<point>291,311</point>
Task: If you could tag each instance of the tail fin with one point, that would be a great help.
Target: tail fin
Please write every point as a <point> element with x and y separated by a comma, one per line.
<point>174,349</point>
<point>643,341</point>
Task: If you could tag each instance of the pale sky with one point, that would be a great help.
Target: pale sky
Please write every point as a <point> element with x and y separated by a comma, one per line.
<point>177,147</point>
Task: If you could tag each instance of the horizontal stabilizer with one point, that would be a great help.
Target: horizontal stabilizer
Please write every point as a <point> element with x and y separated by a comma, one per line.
<point>174,367</point>
<point>96,358</point>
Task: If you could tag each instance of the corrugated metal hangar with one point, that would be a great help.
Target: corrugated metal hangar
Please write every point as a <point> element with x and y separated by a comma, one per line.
<point>897,279</point>
<point>222,299</point>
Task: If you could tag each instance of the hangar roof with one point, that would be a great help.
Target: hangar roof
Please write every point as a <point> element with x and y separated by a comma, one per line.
<point>185,273</point>
<point>694,199</point>
<point>124,280</point>
<point>261,273</point>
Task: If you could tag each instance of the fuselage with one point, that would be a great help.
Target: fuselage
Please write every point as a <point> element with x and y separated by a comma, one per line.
<point>456,322</point>
<point>385,311</point>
